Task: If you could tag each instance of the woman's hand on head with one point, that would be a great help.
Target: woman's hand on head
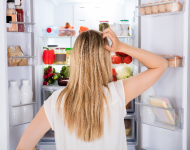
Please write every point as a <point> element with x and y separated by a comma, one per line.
<point>116,44</point>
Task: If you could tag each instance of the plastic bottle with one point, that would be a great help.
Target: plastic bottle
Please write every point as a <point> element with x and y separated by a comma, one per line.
<point>26,92</point>
<point>14,99</point>
<point>147,114</point>
<point>27,113</point>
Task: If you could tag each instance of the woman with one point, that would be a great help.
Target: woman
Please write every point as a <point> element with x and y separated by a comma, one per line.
<point>89,112</point>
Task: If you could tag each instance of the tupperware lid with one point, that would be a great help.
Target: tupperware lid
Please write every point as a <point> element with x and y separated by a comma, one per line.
<point>68,49</point>
<point>52,45</point>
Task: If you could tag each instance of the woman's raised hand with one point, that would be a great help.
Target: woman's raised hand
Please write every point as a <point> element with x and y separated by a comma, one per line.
<point>116,44</point>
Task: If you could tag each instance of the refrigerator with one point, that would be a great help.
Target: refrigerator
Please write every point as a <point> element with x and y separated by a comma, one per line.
<point>161,33</point>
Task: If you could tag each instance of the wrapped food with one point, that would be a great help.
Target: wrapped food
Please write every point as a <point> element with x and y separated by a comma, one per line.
<point>13,51</point>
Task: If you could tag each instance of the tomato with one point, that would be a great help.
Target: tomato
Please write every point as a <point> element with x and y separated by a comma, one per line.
<point>121,54</point>
<point>127,59</point>
<point>116,59</point>
<point>114,79</point>
<point>113,72</point>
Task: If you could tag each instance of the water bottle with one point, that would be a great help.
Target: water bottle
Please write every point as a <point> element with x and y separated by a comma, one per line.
<point>27,113</point>
<point>14,99</point>
<point>26,92</point>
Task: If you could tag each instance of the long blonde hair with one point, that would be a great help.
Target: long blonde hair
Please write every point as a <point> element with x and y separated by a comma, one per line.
<point>84,99</point>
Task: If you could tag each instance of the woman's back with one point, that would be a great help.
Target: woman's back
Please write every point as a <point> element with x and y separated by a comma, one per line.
<point>114,132</point>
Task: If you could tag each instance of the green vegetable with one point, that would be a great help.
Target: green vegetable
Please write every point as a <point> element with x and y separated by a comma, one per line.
<point>51,81</point>
<point>55,77</point>
<point>123,72</point>
<point>54,71</point>
<point>65,72</point>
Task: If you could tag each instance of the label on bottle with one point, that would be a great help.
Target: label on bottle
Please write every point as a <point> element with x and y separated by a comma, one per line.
<point>60,57</point>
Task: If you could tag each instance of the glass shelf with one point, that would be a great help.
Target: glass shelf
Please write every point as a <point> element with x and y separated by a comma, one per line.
<point>23,104</point>
<point>15,61</point>
<point>159,116</point>
<point>160,9</point>
<point>29,27</point>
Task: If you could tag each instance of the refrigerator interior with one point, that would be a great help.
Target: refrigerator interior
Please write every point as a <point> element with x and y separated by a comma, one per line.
<point>161,35</point>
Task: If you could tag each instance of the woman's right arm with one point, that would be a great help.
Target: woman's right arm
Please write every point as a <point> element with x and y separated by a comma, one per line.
<point>156,65</point>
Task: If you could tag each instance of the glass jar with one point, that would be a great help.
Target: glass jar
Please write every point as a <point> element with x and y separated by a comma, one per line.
<point>52,47</point>
<point>60,56</point>
<point>103,25</point>
<point>68,55</point>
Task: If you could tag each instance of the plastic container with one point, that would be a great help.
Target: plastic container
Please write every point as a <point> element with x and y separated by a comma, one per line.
<point>118,26</point>
<point>14,94</point>
<point>50,31</point>
<point>68,55</point>
<point>15,116</point>
<point>125,24</point>
<point>52,47</point>
<point>67,32</point>
<point>118,32</point>
<point>27,113</point>
<point>103,25</point>
<point>60,56</point>
<point>26,92</point>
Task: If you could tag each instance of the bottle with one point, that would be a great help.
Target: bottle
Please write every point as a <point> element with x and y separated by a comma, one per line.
<point>14,94</point>
<point>27,113</point>
<point>14,99</point>
<point>26,92</point>
<point>11,16</point>
<point>20,17</point>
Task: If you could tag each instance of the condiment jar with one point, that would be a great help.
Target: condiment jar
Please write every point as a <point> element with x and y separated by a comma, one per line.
<point>103,25</point>
<point>60,56</point>
<point>68,55</point>
<point>52,47</point>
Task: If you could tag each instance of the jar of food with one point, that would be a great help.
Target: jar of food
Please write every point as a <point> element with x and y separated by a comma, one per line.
<point>103,25</point>
<point>68,55</point>
<point>52,47</point>
<point>60,56</point>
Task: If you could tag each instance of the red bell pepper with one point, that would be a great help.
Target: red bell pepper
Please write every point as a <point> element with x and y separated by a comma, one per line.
<point>48,56</point>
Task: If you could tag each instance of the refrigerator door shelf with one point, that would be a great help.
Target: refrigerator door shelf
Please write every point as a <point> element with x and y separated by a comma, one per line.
<point>161,9</point>
<point>166,118</point>
<point>131,107</point>
<point>16,61</point>
<point>28,27</point>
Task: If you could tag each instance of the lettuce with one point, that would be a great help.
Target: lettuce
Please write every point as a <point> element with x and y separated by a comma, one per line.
<point>123,72</point>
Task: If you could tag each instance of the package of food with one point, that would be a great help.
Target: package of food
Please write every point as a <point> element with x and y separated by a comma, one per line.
<point>164,115</point>
<point>16,51</point>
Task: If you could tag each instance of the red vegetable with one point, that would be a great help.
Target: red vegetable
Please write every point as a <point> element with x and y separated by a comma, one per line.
<point>116,59</point>
<point>114,79</point>
<point>47,71</point>
<point>127,59</point>
<point>113,72</point>
<point>67,25</point>
<point>49,74</point>
<point>48,56</point>
<point>45,76</point>
<point>121,54</point>
<point>45,83</point>
<point>53,74</point>
<point>50,69</point>
<point>82,28</point>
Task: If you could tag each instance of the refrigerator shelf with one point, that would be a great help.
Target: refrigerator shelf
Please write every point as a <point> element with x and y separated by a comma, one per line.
<point>28,27</point>
<point>15,61</point>
<point>77,36</point>
<point>166,118</point>
<point>23,104</point>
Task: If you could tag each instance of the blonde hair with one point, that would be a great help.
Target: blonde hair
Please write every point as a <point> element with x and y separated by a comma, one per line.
<point>90,70</point>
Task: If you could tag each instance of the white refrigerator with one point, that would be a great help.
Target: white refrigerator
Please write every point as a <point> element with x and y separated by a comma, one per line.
<point>160,33</point>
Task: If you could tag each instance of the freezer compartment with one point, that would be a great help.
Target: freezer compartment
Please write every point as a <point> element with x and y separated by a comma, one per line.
<point>27,26</point>
<point>160,8</point>
<point>21,114</point>
<point>162,117</point>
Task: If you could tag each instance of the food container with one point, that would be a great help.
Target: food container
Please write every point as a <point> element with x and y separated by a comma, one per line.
<point>125,33</point>
<point>112,26</point>
<point>52,47</point>
<point>142,10</point>
<point>103,25</point>
<point>155,8</point>
<point>50,31</point>
<point>67,32</point>
<point>63,81</point>
<point>174,62</point>
<point>173,7</point>
<point>162,7</point>
<point>118,32</point>
<point>148,10</point>
<point>125,24</point>
<point>68,55</point>
<point>60,56</point>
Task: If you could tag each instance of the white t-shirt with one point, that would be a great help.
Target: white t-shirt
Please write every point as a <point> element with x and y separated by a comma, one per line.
<point>114,138</point>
